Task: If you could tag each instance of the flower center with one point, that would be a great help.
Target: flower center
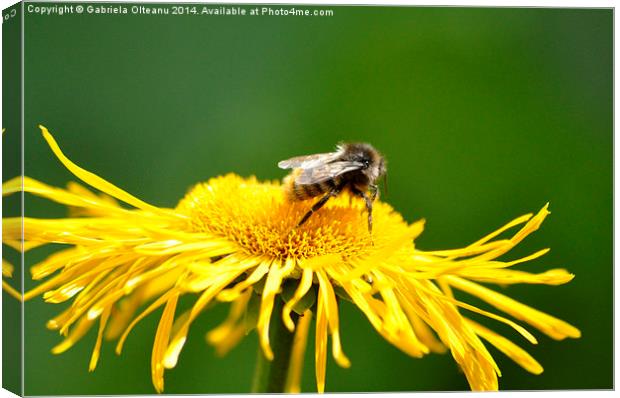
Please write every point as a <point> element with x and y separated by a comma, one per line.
<point>260,219</point>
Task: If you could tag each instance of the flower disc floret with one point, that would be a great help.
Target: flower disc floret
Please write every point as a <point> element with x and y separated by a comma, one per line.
<point>259,218</point>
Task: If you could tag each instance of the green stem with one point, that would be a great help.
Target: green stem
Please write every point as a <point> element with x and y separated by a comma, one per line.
<point>270,376</point>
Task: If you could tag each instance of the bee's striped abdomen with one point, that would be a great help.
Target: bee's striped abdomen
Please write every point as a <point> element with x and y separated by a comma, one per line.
<point>330,184</point>
<point>307,191</point>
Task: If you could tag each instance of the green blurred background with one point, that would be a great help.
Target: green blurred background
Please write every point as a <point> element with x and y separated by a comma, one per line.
<point>483,115</point>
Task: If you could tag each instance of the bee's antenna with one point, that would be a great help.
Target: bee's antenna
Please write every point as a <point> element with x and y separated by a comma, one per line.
<point>385,185</point>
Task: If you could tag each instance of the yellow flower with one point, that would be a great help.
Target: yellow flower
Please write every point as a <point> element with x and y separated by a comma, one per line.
<point>231,237</point>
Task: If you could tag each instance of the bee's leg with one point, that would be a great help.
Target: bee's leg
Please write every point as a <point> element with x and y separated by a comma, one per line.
<point>319,204</point>
<point>374,192</point>
<point>368,200</point>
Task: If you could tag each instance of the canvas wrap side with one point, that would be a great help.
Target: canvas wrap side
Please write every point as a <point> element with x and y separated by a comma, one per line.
<point>12,145</point>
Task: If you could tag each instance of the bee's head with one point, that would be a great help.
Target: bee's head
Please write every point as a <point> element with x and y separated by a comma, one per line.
<point>382,167</point>
<point>374,164</point>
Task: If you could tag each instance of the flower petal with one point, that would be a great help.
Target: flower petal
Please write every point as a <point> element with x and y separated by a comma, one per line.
<point>178,341</point>
<point>272,286</point>
<point>225,336</point>
<point>96,351</point>
<point>7,269</point>
<point>11,291</point>
<point>331,311</point>
<point>505,277</point>
<point>320,353</point>
<point>161,341</point>
<point>551,326</point>
<point>293,378</point>
<point>512,351</point>
<point>304,286</point>
<point>98,182</point>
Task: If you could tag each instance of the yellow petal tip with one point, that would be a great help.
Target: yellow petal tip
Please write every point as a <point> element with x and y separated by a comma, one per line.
<point>343,362</point>
<point>45,131</point>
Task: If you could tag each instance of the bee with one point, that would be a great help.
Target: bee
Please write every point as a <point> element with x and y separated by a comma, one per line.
<point>353,167</point>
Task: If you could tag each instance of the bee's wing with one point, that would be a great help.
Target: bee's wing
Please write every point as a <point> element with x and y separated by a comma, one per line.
<point>326,171</point>
<point>309,161</point>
